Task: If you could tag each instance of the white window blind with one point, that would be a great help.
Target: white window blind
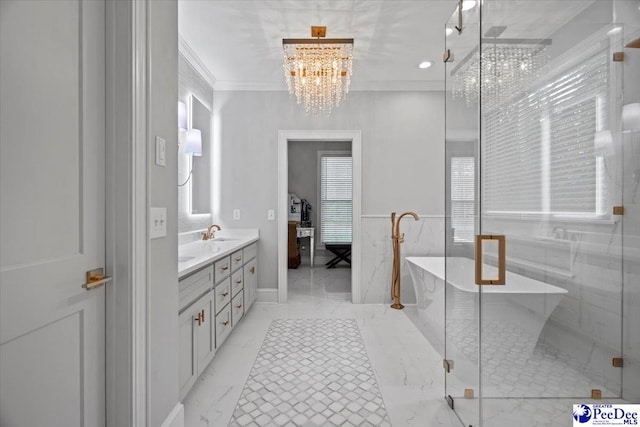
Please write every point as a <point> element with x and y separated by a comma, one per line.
<point>335,198</point>
<point>538,149</point>
<point>462,198</point>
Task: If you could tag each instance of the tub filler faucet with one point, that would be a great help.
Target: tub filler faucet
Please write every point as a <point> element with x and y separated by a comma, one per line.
<point>397,238</point>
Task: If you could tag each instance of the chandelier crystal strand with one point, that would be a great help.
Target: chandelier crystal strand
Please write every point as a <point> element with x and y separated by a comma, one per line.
<point>499,72</point>
<point>318,74</point>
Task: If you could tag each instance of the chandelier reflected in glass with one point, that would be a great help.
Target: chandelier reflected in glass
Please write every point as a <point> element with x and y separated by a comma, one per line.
<point>318,71</point>
<point>500,69</point>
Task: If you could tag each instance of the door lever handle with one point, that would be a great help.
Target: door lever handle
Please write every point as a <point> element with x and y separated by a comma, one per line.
<point>96,278</point>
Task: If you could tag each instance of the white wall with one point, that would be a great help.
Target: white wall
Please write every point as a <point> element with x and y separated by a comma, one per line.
<point>402,152</point>
<point>162,192</point>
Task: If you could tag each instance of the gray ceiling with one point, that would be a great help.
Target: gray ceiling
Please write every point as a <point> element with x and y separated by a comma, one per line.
<point>240,41</point>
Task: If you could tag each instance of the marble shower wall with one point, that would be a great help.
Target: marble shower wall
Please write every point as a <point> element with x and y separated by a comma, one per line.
<point>424,237</point>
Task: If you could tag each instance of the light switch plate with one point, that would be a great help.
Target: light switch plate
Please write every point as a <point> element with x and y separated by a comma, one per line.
<point>161,151</point>
<point>158,223</point>
<point>236,214</point>
<point>271,215</point>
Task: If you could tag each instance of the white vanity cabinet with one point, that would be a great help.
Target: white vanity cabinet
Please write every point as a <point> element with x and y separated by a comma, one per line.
<point>196,332</point>
<point>212,300</point>
<point>250,254</point>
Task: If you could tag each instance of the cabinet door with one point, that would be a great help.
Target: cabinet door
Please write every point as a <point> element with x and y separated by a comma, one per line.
<point>250,283</point>
<point>188,369</point>
<point>205,332</point>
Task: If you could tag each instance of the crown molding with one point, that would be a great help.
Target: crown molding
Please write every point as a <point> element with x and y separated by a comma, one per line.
<point>195,61</point>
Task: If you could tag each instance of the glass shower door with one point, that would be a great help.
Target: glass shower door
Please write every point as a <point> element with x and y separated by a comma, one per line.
<point>462,304</point>
<point>534,145</point>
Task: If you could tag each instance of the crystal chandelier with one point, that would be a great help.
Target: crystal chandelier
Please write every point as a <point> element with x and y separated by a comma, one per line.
<point>318,71</point>
<point>500,69</point>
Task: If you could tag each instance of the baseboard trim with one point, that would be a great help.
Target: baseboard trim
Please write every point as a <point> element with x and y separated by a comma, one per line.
<point>176,417</point>
<point>267,295</point>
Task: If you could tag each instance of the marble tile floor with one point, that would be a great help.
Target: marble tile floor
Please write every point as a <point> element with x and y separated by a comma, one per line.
<point>407,369</point>
<point>319,284</point>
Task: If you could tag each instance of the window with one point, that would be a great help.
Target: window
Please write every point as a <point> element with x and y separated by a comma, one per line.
<point>538,148</point>
<point>335,198</point>
<point>462,198</point>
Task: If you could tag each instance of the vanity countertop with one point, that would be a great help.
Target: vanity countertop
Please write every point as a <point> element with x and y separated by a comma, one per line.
<point>197,254</point>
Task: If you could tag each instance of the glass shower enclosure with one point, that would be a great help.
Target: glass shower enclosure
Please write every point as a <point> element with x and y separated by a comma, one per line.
<point>542,230</point>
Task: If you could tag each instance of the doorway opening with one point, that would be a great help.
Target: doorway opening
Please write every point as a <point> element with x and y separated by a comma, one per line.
<point>329,144</point>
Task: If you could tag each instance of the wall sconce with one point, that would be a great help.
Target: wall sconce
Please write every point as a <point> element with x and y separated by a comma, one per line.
<point>631,117</point>
<point>193,146</point>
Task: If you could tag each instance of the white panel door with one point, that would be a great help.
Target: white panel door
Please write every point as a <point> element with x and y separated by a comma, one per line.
<point>52,213</point>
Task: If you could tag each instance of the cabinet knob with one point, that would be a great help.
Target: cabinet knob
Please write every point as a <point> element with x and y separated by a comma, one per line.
<point>238,281</point>
<point>252,270</point>
<point>225,323</point>
<point>238,259</point>
<point>224,294</point>
<point>199,318</point>
<point>224,268</point>
<point>239,306</point>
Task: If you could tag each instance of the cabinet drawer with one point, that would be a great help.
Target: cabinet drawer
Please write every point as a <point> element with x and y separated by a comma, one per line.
<point>194,286</point>
<point>237,308</point>
<point>223,325</point>
<point>236,260</point>
<point>237,282</point>
<point>223,294</point>
<point>250,251</point>
<point>222,269</point>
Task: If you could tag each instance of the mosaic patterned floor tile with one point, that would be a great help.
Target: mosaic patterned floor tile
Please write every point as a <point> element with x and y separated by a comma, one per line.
<point>514,367</point>
<point>311,372</point>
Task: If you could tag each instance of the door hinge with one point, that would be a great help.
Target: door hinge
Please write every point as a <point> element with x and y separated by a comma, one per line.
<point>449,401</point>
<point>447,365</point>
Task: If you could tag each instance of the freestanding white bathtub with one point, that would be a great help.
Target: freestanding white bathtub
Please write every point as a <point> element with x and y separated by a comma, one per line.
<point>521,306</point>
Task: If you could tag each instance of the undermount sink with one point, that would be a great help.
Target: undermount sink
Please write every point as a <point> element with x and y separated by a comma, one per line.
<point>185,258</point>
<point>223,239</point>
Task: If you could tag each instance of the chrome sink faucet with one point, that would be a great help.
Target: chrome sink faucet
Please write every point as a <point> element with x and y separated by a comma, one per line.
<point>209,234</point>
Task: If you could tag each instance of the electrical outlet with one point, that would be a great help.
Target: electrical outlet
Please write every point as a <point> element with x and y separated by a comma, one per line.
<point>271,215</point>
<point>158,223</point>
<point>236,214</point>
